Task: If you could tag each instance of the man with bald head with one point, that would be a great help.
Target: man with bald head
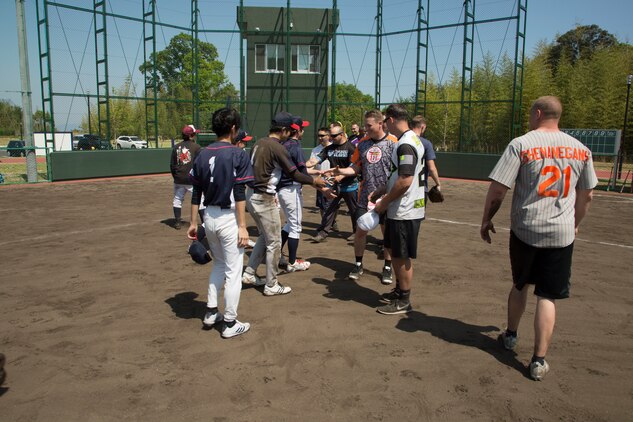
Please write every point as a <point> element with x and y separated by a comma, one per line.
<point>553,180</point>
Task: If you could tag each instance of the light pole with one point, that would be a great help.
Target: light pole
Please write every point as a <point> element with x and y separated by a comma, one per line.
<point>629,79</point>
<point>89,122</point>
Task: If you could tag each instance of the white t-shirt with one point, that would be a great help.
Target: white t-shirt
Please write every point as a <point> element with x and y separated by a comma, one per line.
<point>325,165</point>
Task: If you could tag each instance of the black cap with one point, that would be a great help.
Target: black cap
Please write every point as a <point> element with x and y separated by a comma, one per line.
<point>282,119</point>
<point>199,253</point>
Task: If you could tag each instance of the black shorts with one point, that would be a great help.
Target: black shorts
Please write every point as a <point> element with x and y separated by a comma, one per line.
<point>360,211</point>
<point>401,237</point>
<point>549,269</point>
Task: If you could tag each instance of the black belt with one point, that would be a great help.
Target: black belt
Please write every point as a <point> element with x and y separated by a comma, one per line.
<point>263,192</point>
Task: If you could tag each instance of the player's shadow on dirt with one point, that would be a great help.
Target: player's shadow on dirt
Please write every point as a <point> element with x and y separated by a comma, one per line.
<point>184,305</point>
<point>171,222</point>
<point>458,332</point>
<point>3,390</point>
<point>341,288</point>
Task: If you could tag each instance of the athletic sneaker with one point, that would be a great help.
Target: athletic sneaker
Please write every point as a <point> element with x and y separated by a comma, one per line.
<point>356,272</point>
<point>299,265</point>
<point>212,318</point>
<point>387,276</point>
<point>390,296</point>
<point>509,342</point>
<point>235,330</point>
<point>277,289</point>
<point>351,237</point>
<point>538,371</point>
<point>394,307</point>
<point>252,279</point>
<point>334,227</point>
<point>178,224</point>
<point>320,237</point>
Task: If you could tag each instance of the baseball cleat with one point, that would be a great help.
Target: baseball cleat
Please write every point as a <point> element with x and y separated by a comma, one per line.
<point>237,329</point>
<point>387,276</point>
<point>252,279</point>
<point>211,319</point>
<point>538,371</point>
<point>277,289</point>
<point>395,307</point>
<point>356,272</point>
<point>299,265</point>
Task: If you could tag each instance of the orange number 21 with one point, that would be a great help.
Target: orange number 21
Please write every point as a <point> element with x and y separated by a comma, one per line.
<point>545,187</point>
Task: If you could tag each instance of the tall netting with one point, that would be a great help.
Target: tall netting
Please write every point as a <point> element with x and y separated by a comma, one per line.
<point>148,67</point>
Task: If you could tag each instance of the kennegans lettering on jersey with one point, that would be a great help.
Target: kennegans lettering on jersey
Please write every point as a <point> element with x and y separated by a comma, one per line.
<point>540,153</point>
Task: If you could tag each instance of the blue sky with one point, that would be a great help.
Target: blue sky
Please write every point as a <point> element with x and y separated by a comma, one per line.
<point>73,59</point>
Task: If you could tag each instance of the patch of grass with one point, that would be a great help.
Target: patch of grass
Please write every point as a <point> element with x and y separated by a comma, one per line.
<point>15,173</point>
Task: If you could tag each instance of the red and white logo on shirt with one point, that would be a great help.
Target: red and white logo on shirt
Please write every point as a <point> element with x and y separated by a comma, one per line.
<point>373,155</point>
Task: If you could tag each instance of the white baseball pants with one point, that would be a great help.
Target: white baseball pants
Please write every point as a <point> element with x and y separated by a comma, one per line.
<point>291,201</point>
<point>179,193</point>
<point>221,229</point>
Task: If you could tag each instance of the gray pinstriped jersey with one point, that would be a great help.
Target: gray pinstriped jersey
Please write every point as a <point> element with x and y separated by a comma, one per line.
<point>546,168</point>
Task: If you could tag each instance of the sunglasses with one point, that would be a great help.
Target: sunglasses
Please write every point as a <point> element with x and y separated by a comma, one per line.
<point>322,135</point>
<point>334,135</point>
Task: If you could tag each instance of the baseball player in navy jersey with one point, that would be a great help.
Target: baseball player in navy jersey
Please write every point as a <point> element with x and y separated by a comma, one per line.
<point>240,141</point>
<point>553,178</point>
<point>372,161</point>
<point>404,205</point>
<point>182,156</point>
<point>291,197</point>
<point>221,172</point>
<point>269,159</point>
<point>242,138</point>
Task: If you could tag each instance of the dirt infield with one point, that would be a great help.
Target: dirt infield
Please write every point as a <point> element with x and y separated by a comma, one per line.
<point>101,320</point>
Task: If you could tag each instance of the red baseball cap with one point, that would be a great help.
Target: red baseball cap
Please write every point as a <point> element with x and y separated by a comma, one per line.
<point>242,136</point>
<point>189,130</point>
<point>298,123</point>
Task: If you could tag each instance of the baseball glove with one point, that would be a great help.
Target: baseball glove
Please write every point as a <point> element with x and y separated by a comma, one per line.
<point>435,195</point>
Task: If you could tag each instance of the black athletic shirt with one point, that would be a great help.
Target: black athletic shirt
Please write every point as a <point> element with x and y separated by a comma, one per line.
<point>216,170</point>
<point>341,156</point>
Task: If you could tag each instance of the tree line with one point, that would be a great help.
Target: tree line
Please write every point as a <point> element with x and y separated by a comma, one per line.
<point>586,67</point>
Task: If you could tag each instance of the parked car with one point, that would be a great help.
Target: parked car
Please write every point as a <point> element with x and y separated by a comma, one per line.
<point>92,142</point>
<point>15,148</point>
<point>88,144</point>
<point>76,140</point>
<point>133,142</point>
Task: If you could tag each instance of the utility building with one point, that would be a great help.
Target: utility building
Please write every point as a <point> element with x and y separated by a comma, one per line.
<point>287,58</point>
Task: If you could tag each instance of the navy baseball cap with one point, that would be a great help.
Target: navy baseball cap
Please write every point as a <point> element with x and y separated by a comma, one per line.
<point>199,253</point>
<point>283,119</point>
<point>242,136</point>
<point>298,123</point>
